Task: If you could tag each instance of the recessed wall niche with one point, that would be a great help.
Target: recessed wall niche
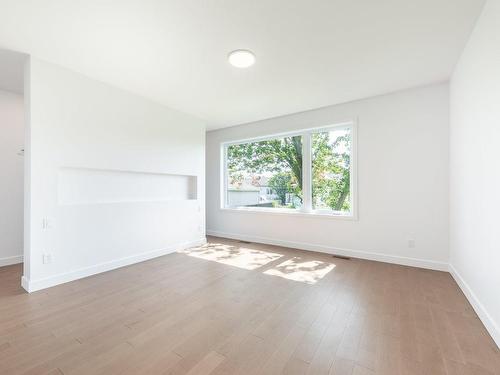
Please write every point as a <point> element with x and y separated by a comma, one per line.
<point>92,186</point>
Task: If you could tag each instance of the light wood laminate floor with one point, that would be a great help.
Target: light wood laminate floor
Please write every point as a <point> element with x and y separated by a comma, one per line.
<point>236,308</point>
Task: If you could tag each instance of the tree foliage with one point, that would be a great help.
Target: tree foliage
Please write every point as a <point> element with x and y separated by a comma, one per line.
<point>274,155</point>
<point>282,184</point>
<point>331,171</point>
<point>331,168</point>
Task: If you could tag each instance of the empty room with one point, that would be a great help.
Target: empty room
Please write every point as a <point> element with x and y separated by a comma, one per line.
<point>208,187</point>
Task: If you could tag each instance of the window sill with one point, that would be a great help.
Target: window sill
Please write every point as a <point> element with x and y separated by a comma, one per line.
<point>292,212</point>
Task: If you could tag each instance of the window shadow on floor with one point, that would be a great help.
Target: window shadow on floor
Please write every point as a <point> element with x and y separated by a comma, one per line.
<point>305,269</point>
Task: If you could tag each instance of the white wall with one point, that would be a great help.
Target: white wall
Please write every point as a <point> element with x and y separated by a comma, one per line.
<point>84,133</point>
<point>475,169</point>
<point>11,178</point>
<point>402,182</point>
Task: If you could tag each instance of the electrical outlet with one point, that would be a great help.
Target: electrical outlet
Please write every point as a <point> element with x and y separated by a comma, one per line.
<point>411,243</point>
<point>47,258</point>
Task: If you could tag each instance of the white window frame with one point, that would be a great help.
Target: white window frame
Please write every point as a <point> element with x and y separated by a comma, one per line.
<point>306,209</point>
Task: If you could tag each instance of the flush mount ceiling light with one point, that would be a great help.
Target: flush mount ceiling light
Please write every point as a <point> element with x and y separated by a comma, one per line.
<point>241,58</point>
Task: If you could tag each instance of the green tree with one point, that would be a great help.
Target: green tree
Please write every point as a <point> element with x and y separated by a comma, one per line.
<point>331,166</point>
<point>331,171</point>
<point>281,183</point>
<point>276,155</point>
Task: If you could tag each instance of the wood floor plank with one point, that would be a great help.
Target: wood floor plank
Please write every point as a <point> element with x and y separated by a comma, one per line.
<point>207,364</point>
<point>206,311</point>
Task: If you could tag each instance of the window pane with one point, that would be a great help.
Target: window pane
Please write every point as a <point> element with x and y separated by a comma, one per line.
<point>331,161</point>
<point>265,174</point>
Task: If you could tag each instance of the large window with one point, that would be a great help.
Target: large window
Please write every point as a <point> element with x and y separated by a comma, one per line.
<point>310,171</point>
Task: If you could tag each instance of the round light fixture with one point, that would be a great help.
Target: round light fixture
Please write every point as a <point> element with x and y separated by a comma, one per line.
<point>241,58</point>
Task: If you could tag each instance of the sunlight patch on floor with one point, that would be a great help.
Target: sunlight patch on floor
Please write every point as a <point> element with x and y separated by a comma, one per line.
<point>241,257</point>
<point>297,269</point>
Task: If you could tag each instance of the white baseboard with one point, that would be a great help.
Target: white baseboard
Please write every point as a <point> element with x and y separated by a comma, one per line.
<point>491,326</point>
<point>25,283</point>
<point>379,257</point>
<point>34,285</point>
<point>7,261</point>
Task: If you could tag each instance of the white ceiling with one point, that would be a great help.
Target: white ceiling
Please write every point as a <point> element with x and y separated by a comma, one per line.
<point>309,53</point>
<point>12,71</point>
